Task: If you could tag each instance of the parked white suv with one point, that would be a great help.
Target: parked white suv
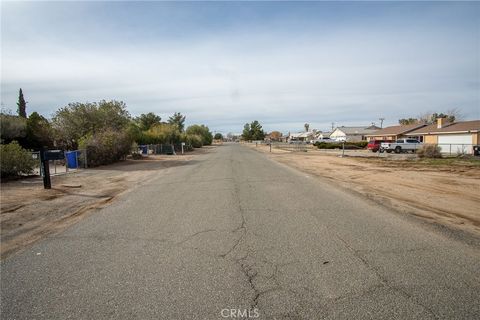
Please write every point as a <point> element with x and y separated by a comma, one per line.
<point>401,145</point>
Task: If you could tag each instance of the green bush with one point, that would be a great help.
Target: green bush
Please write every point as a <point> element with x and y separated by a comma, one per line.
<point>12,127</point>
<point>16,161</point>
<point>106,147</point>
<point>194,140</point>
<point>429,151</point>
<point>202,131</point>
<point>163,133</point>
<point>339,145</point>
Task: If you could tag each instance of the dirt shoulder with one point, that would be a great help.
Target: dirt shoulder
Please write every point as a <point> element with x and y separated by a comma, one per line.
<point>29,213</point>
<point>444,191</point>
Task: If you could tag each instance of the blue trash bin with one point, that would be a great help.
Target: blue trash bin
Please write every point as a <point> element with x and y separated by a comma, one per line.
<point>144,149</point>
<point>72,161</point>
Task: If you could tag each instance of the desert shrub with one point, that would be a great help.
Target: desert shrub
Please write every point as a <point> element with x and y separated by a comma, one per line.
<point>163,133</point>
<point>15,161</point>
<point>194,140</point>
<point>203,132</point>
<point>106,147</point>
<point>429,151</point>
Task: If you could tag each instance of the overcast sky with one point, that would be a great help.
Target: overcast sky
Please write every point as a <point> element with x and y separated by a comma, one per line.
<point>224,64</point>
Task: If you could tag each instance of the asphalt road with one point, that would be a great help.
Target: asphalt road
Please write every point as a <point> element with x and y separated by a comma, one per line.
<point>234,230</point>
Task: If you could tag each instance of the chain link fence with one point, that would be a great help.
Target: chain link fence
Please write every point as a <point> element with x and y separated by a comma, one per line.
<point>74,161</point>
<point>446,149</point>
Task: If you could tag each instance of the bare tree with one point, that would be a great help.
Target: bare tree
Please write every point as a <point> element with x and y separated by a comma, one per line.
<point>425,117</point>
<point>455,113</point>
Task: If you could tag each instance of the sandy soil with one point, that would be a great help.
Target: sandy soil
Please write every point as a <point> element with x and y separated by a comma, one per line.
<point>445,194</point>
<point>28,212</point>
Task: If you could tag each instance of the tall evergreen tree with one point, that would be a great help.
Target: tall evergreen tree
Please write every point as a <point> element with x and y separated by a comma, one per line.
<point>22,105</point>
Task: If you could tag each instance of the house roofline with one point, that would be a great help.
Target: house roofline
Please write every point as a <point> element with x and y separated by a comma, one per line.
<point>448,132</point>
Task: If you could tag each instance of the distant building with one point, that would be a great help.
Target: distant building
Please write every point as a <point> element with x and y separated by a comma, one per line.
<point>352,134</point>
<point>323,135</point>
<point>302,136</point>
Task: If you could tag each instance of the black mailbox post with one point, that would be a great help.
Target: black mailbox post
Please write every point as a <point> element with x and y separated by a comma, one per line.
<point>45,157</point>
<point>54,155</point>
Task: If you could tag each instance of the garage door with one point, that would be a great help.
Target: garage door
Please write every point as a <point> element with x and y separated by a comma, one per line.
<point>455,143</point>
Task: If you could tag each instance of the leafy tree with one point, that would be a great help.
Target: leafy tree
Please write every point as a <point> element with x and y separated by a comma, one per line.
<point>148,120</point>
<point>275,135</point>
<point>39,132</point>
<point>202,131</point>
<point>257,131</point>
<point>307,126</point>
<point>218,136</point>
<point>247,132</point>
<point>448,117</point>
<point>134,132</point>
<point>12,127</point>
<point>253,131</point>
<point>178,120</point>
<point>113,114</point>
<point>162,133</point>
<point>408,121</point>
<point>77,120</point>
<point>22,105</point>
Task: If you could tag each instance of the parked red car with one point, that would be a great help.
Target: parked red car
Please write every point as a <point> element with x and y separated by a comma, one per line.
<point>374,145</point>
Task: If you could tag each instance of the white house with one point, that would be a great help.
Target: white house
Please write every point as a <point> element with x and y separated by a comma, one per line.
<point>322,135</point>
<point>302,136</point>
<point>352,134</point>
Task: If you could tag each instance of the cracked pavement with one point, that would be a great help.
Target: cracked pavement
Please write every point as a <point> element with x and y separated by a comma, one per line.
<point>235,230</point>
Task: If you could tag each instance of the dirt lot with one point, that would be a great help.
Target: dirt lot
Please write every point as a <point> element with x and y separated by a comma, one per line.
<point>445,191</point>
<point>28,212</point>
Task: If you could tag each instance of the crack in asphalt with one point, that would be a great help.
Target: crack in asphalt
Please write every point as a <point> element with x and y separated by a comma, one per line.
<point>190,237</point>
<point>383,279</point>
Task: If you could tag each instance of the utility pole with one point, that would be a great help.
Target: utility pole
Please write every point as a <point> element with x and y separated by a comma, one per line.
<point>333,125</point>
<point>381,122</point>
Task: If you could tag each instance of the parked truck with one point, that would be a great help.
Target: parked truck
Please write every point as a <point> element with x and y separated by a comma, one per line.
<point>401,145</point>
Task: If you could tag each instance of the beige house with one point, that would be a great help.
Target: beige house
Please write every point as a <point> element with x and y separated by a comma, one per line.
<point>395,132</point>
<point>455,137</point>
